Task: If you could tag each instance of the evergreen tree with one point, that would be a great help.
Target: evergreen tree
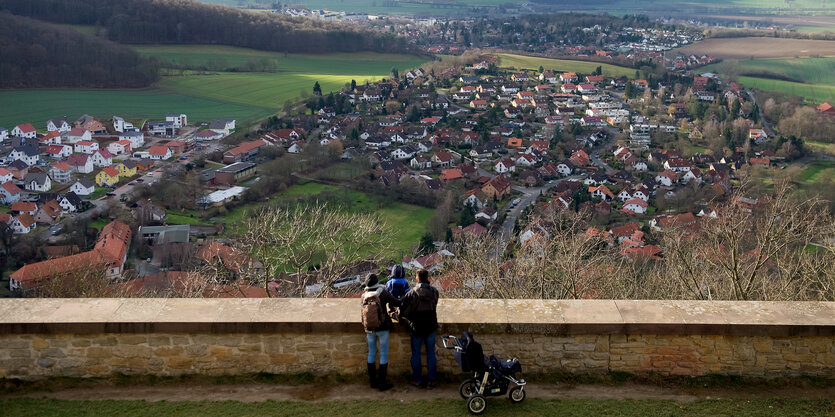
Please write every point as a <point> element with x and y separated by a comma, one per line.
<point>317,89</point>
<point>427,244</point>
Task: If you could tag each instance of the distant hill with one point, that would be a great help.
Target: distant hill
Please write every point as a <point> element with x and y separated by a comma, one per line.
<point>37,54</point>
<point>190,22</point>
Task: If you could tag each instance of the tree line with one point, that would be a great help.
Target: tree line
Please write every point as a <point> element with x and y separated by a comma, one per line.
<point>36,54</point>
<point>190,22</point>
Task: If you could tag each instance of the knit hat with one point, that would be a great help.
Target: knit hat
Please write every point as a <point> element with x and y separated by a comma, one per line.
<point>371,280</point>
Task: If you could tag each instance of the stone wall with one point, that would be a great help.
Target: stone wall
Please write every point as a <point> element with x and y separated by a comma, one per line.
<point>101,337</point>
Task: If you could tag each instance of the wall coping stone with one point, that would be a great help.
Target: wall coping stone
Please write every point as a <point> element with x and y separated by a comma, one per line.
<point>554,317</point>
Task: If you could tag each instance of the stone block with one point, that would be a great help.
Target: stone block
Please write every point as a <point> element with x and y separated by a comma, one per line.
<point>39,343</point>
<point>99,352</point>
<point>250,348</point>
<point>159,340</point>
<point>104,341</point>
<point>80,342</point>
<point>132,351</point>
<point>46,362</point>
<point>196,350</point>
<point>52,353</point>
<point>179,362</point>
<point>167,351</point>
<point>98,370</point>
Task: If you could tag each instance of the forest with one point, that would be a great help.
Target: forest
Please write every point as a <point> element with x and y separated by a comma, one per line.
<point>35,54</point>
<point>190,22</point>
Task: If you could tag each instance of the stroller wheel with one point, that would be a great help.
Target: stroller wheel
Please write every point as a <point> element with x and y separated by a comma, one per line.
<point>468,388</point>
<point>477,404</point>
<point>517,394</point>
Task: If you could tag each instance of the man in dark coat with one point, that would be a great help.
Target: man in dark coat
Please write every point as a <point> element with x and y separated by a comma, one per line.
<point>419,309</point>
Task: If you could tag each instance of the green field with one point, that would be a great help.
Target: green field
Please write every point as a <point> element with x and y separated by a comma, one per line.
<point>246,97</point>
<point>808,70</point>
<point>256,89</point>
<point>337,64</point>
<point>827,148</point>
<point>816,93</point>
<point>35,407</point>
<point>564,65</point>
<point>39,105</point>
<point>817,170</point>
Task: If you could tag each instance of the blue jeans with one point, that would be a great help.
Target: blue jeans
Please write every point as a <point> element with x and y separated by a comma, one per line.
<point>431,361</point>
<point>372,338</point>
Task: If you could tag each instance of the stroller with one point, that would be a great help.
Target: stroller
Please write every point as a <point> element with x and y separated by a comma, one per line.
<point>491,375</point>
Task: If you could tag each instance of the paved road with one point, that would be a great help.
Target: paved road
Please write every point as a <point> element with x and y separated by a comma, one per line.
<point>529,196</point>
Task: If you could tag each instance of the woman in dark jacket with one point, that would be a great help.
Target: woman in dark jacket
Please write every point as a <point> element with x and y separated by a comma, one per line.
<point>380,334</point>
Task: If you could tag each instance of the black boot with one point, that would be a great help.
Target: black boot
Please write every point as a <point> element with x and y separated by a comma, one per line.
<point>372,375</point>
<point>382,384</point>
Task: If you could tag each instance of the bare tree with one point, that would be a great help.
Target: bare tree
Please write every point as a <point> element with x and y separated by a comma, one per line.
<point>317,244</point>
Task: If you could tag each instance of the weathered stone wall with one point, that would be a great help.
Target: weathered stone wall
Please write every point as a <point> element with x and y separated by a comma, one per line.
<point>96,337</point>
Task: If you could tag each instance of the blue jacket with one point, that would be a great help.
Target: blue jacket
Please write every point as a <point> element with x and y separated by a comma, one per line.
<point>397,284</point>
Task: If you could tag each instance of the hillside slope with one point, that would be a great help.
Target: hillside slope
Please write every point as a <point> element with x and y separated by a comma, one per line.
<point>190,22</point>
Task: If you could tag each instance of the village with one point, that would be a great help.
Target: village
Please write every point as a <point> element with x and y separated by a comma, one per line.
<point>504,143</point>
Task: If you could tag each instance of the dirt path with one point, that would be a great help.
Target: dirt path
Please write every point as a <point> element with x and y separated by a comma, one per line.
<point>353,391</point>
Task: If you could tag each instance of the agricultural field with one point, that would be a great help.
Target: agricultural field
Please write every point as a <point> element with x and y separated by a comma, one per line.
<point>255,89</point>
<point>585,67</point>
<point>38,105</point>
<point>341,63</point>
<point>818,170</point>
<point>819,70</point>
<point>245,96</point>
<point>759,48</point>
<point>445,8</point>
<point>814,93</point>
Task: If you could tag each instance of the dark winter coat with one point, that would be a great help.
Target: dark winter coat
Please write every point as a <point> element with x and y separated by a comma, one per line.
<point>419,308</point>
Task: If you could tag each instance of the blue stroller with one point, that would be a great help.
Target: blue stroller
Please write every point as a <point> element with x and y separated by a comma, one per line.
<point>491,376</point>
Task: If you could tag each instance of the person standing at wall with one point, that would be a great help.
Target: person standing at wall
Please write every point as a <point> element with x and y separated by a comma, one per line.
<point>376,301</point>
<point>419,309</point>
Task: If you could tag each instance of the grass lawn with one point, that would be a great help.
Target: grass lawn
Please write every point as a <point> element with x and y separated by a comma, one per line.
<point>585,67</point>
<point>827,148</point>
<point>190,217</point>
<point>33,407</point>
<point>816,93</point>
<point>100,192</point>
<point>99,223</point>
<point>816,170</point>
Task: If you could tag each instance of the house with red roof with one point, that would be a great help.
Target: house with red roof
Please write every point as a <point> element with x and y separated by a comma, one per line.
<point>58,151</point>
<point>636,206</point>
<point>443,159</point>
<point>119,147</point>
<point>60,172</point>
<point>25,130</point>
<point>9,192</point>
<point>826,108</point>
<point>80,163</point>
<point>451,174</point>
<point>163,152</point>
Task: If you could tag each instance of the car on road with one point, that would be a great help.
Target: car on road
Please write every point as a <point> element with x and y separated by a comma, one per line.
<point>140,179</point>
<point>507,211</point>
<point>516,201</point>
<point>132,183</point>
<point>183,158</point>
<point>149,175</point>
<point>110,194</point>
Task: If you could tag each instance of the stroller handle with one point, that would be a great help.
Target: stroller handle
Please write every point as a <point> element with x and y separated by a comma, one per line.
<point>451,342</point>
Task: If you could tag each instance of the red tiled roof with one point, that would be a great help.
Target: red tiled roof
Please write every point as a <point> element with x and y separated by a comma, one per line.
<point>110,171</point>
<point>158,150</point>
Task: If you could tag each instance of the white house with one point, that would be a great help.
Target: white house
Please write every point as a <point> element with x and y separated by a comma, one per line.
<point>37,181</point>
<point>120,125</point>
<point>4,133</point>
<point>640,166</point>
<point>78,134</point>
<point>70,202</point>
<point>624,195</point>
<point>5,175</point>
<point>102,158</point>
<point>159,152</point>
<point>9,193</point>
<point>223,126</point>
<point>526,160</point>
<point>137,139</point>
<point>636,205</point>
<point>81,163</point>
<point>27,154</point>
<point>25,130</point>
<point>86,146</point>
<point>504,166</point>
<point>179,120</point>
<point>60,172</point>
<point>666,178</point>
<point>565,168</point>
<point>403,152</point>
<point>119,147</point>
<point>60,125</point>
<point>22,224</point>
<point>677,165</point>
<point>83,186</point>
